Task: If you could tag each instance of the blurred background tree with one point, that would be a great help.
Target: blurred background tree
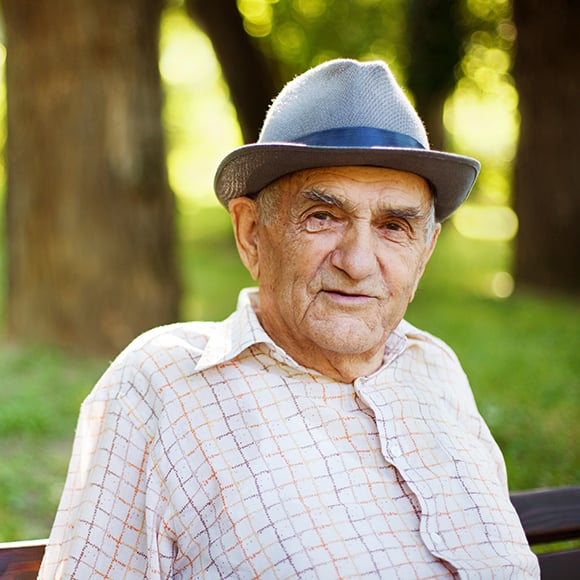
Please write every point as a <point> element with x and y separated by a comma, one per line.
<point>435,48</point>
<point>89,214</point>
<point>251,79</point>
<point>547,180</point>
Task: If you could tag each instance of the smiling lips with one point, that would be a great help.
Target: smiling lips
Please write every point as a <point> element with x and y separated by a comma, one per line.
<point>348,297</point>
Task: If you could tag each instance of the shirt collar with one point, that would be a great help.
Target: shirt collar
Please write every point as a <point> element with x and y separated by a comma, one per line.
<point>243,329</point>
<point>238,332</point>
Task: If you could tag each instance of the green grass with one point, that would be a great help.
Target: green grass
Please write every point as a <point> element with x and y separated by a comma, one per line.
<point>520,353</point>
<point>40,393</point>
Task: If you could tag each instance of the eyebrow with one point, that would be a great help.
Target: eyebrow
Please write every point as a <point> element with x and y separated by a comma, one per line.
<point>325,198</point>
<point>408,213</point>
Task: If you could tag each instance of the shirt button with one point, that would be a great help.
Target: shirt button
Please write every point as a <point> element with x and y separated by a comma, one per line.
<point>396,450</point>
<point>437,539</point>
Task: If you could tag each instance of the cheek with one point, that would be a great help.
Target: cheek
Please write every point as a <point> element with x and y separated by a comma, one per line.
<point>293,263</point>
<point>280,267</point>
<point>300,256</point>
<point>400,272</point>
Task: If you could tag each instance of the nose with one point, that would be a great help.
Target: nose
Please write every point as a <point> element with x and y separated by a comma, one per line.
<point>355,253</point>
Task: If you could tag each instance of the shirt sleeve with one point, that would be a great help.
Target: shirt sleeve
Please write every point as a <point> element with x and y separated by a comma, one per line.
<point>469,416</point>
<point>108,522</point>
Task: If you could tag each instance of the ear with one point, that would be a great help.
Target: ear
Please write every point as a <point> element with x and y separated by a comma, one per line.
<point>246,222</point>
<point>426,257</point>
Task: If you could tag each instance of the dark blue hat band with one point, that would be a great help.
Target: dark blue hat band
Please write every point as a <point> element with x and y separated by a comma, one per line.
<point>359,137</point>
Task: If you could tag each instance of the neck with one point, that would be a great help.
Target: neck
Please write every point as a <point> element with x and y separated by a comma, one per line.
<point>345,369</point>
<point>340,366</point>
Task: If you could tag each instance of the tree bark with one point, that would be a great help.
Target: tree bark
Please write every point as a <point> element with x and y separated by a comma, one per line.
<point>435,50</point>
<point>90,229</point>
<point>245,68</point>
<point>547,180</point>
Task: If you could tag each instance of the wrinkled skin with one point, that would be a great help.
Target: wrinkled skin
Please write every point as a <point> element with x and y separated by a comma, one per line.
<point>338,263</point>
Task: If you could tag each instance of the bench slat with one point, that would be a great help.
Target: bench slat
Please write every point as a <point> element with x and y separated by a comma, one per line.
<point>21,560</point>
<point>564,565</point>
<point>549,515</point>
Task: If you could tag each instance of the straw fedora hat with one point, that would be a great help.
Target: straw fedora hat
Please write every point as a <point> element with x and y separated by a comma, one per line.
<point>344,112</point>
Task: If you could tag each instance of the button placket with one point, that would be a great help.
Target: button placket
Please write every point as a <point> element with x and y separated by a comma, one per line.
<point>391,447</point>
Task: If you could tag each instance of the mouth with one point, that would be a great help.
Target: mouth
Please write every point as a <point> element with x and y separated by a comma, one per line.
<point>348,297</point>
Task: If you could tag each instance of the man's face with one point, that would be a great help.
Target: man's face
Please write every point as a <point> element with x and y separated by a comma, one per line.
<point>340,260</point>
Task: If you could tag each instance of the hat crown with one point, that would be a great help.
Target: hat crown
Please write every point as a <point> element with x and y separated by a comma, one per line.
<point>341,93</point>
<point>345,113</point>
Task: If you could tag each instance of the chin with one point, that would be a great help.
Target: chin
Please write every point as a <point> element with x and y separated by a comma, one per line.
<point>347,342</point>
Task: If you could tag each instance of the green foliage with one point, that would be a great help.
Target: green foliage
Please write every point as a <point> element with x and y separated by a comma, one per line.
<point>3,265</point>
<point>298,34</point>
<point>213,274</point>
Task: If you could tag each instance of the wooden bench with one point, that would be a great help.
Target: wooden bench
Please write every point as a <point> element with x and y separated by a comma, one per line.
<point>21,560</point>
<point>548,516</point>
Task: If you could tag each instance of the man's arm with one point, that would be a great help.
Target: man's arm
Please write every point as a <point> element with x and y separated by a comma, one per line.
<point>101,525</point>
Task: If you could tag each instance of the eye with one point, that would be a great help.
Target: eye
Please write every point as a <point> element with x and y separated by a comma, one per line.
<point>319,221</point>
<point>396,229</point>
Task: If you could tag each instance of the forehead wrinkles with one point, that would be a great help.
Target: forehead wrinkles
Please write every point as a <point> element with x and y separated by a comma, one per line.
<point>376,206</point>
<point>356,189</point>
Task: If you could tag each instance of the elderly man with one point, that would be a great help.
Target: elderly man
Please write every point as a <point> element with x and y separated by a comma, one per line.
<point>314,433</point>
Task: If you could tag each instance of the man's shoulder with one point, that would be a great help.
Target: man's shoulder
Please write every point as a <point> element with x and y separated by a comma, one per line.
<point>425,340</point>
<point>433,363</point>
<point>156,352</point>
<point>191,336</point>
<point>152,373</point>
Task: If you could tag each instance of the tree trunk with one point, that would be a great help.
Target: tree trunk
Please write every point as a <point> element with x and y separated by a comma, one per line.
<point>244,67</point>
<point>547,180</point>
<point>89,211</point>
<point>435,50</point>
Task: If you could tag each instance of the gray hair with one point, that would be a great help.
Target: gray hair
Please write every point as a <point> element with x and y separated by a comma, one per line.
<point>267,201</point>
<point>432,221</point>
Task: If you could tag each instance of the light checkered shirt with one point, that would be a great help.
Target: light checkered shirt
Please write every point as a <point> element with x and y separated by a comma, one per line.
<point>206,452</point>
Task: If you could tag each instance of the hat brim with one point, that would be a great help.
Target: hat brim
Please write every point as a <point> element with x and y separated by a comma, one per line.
<point>250,168</point>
